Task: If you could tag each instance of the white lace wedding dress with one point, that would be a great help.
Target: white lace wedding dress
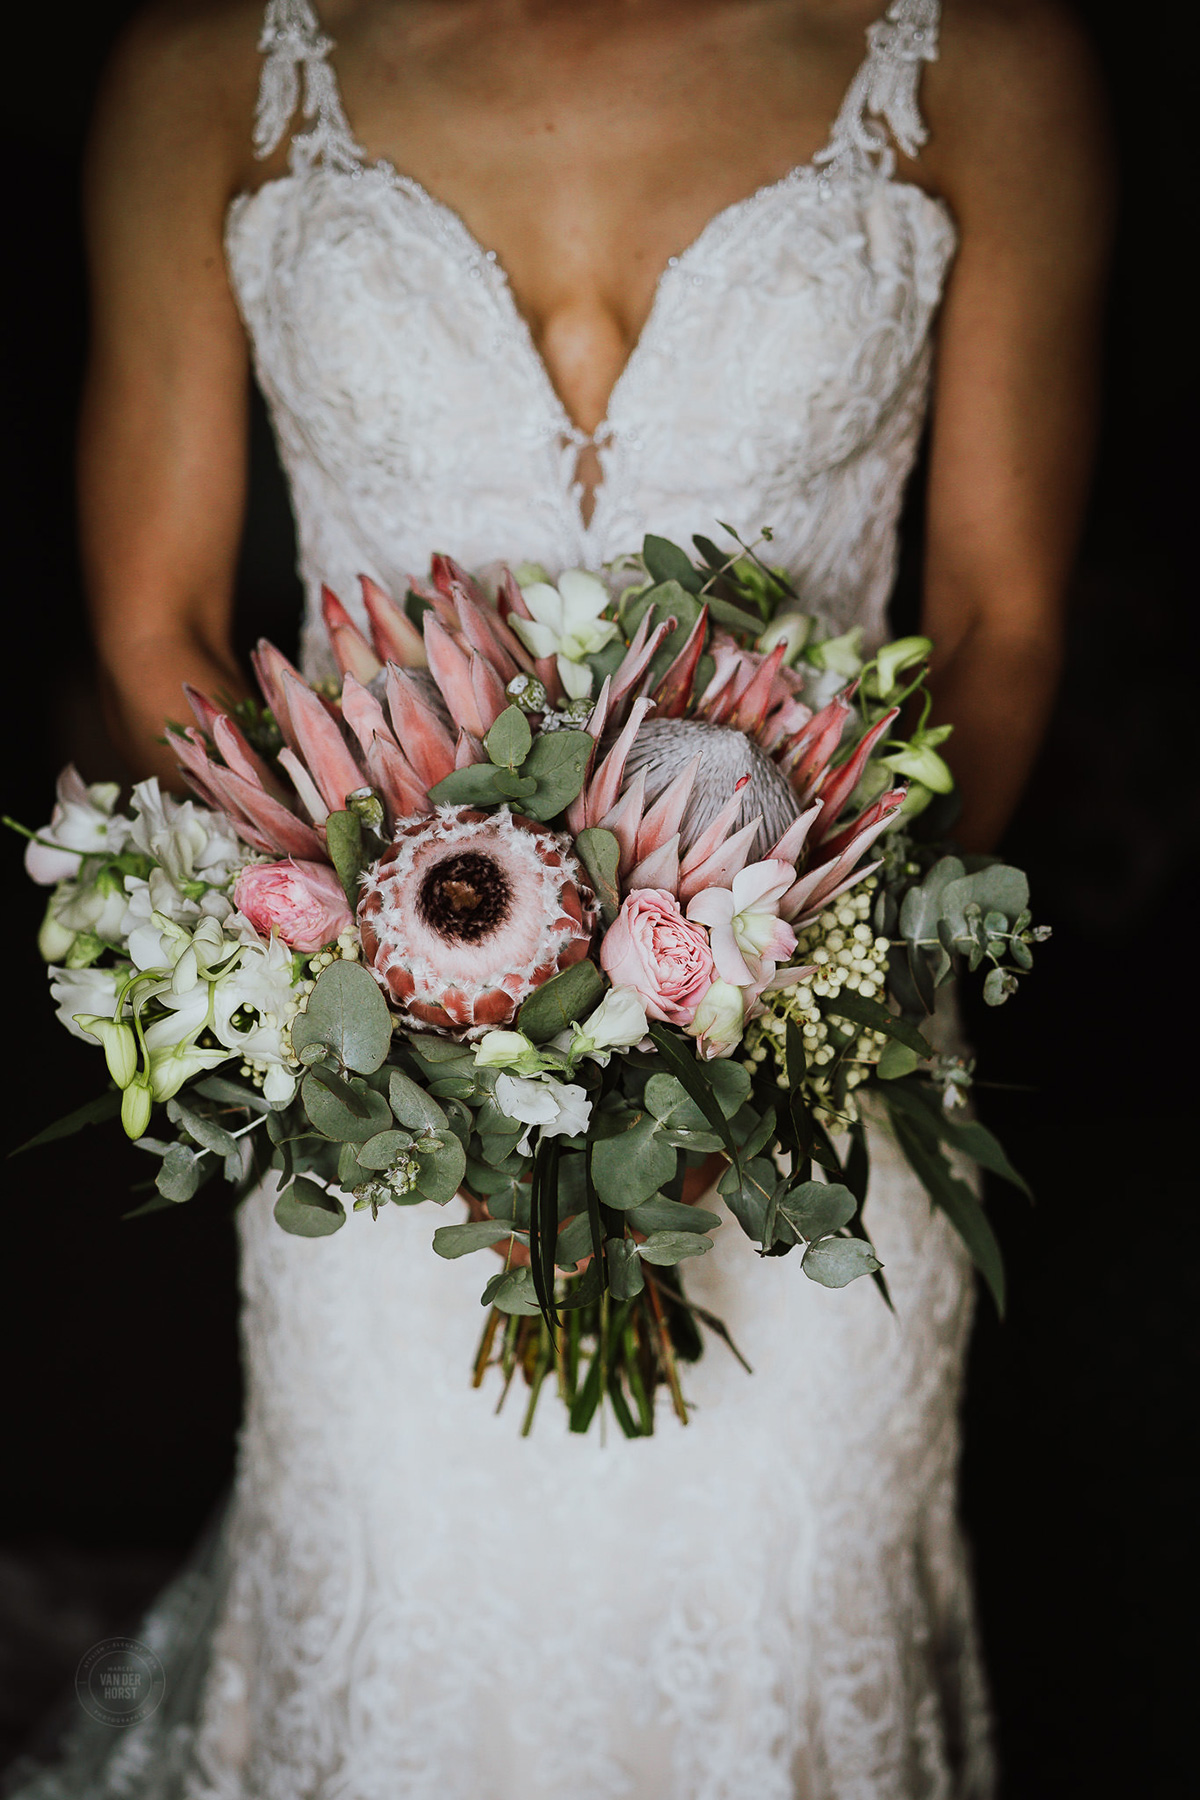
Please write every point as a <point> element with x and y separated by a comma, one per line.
<point>411,1602</point>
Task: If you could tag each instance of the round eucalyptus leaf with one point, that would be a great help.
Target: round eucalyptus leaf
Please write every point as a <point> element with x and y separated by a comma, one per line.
<point>817,1208</point>
<point>308,1210</point>
<point>667,1247</point>
<point>381,1151</point>
<point>347,1012</point>
<point>836,1261</point>
<point>440,1168</point>
<point>453,1241</point>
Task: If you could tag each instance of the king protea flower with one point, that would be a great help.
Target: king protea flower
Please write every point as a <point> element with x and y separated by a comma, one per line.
<point>466,913</point>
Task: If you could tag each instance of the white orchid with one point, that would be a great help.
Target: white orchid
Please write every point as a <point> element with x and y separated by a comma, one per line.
<point>747,935</point>
<point>191,845</point>
<point>91,991</point>
<point>559,1108</point>
<point>567,623</point>
<point>82,824</point>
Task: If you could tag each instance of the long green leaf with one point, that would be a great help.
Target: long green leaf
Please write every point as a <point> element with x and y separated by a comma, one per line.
<point>875,1017</point>
<point>93,1112</point>
<point>957,1202</point>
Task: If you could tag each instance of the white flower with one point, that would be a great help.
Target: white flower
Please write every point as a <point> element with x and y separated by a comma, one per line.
<point>92,991</point>
<point>560,1108</point>
<point>253,1004</point>
<point>567,623</point>
<point>720,1020</point>
<point>190,843</point>
<point>82,824</point>
<point>748,936</point>
<point>617,1023</point>
<point>792,629</point>
<point>508,1050</point>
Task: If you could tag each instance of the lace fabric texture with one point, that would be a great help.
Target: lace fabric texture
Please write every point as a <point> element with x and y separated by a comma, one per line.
<point>413,1602</point>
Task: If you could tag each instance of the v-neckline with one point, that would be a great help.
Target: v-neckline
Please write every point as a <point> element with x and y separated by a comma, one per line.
<point>817,172</point>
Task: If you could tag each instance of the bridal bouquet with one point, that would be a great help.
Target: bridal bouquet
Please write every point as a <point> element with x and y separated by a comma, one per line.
<point>566,888</point>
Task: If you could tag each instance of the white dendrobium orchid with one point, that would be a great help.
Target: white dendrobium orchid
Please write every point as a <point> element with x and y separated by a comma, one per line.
<point>82,824</point>
<point>720,1020</point>
<point>559,1108</point>
<point>567,623</point>
<point>191,844</point>
<point>89,991</point>
<point>172,1067</point>
<point>747,935</point>
<point>618,1023</point>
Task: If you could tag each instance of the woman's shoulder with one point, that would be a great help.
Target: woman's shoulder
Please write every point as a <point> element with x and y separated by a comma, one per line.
<point>1014,92</point>
<point>182,81</point>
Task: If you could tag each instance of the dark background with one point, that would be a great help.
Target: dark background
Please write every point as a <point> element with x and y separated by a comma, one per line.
<point>121,1375</point>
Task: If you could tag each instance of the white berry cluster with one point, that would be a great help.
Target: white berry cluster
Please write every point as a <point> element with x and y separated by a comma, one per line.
<point>847,955</point>
<point>347,947</point>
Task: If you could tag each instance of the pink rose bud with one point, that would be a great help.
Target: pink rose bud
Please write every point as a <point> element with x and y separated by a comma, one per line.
<point>653,949</point>
<point>303,901</point>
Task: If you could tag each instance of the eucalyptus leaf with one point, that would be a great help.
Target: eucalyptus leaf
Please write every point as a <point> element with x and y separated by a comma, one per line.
<point>625,1278</point>
<point>748,1194</point>
<point>381,1151</point>
<point>730,1082</point>
<point>922,906</point>
<point>665,561</point>
<point>600,854</point>
<point>441,1165</point>
<point>817,1208</point>
<point>837,1261</point>
<point>343,839</point>
<point>665,1248</point>
<point>633,1166</point>
<point>574,1241</point>
<point>558,762</point>
<point>308,1210</point>
<point>453,1241</point>
<point>181,1172</point>
<point>568,996</point>
<point>207,1133</point>
<point>232,1093</point>
<point>346,1111</point>
<point>658,1214</point>
<point>411,1104</point>
<point>473,786</point>
<point>512,1292</point>
<point>347,1012</point>
<point>436,1050</point>
<point>509,741</point>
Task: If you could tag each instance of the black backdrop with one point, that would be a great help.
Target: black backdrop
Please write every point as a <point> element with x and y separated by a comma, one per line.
<point>121,1366</point>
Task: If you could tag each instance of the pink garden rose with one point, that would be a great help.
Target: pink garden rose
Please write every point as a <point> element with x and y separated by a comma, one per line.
<point>302,901</point>
<point>653,949</point>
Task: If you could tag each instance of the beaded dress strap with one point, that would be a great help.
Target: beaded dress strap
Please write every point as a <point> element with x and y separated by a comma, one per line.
<point>883,97</point>
<point>292,42</point>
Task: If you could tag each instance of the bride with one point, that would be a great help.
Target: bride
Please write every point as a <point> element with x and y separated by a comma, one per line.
<point>525,279</point>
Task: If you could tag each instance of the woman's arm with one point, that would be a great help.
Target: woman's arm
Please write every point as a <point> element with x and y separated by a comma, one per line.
<point>162,440</point>
<point>1018,149</point>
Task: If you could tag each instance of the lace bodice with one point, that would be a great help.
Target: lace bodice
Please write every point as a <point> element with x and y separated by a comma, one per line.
<point>414,413</point>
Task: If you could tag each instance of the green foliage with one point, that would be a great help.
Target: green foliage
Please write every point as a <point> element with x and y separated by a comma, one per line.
<point>308,1210</point>
<point>560,1002</point>
<point>600,854</point>
<point>837,1261</point>
<point>344,841</point>
<point>630,1167</point>
<point>346,1015</point>
<point>558,763</point>
<point>509,741</point>
<point>346,1111</point>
